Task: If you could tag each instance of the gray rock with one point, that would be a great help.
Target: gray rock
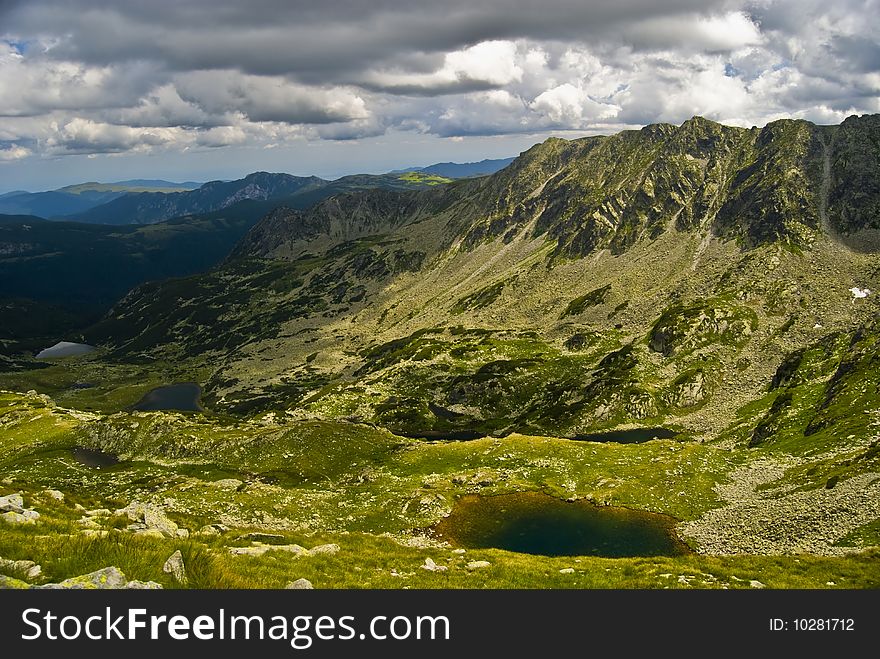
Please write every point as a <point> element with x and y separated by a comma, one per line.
<point>9,564</point>
<point>175,567</point>
<point>754,583</point>
<point>151,516</point>
<point>88,523</point>
<point>300,584</point>
<point>211,529</point>
<point>54,494</point>
<point>477,565</point>
<point>8,583</point>
<point>30,568</point>
<point>24,517</point>
<point>567,570</point>
<point>155,518</point>
<point>98,512</point>
<point>95,533</point>
<point>259,550</point>
<point>143,585</point>
<point>431,566</point>
<point>332,548</point>
<point>107,578</point>
<point>12,503</point>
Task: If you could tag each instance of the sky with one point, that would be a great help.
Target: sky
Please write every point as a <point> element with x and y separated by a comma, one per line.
<point>201,90</point>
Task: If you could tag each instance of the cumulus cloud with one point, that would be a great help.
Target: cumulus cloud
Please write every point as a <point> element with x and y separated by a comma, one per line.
<point>87,136</point>
<point>485,65</point>
<point>569,105</point>
<point>267,98</point>
<point>92,77</point>
<point>13,152</point>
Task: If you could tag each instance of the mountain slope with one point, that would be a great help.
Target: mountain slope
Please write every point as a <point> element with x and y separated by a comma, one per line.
<point>606,280</point>
<point>60,270</point>
<point>715,284</point>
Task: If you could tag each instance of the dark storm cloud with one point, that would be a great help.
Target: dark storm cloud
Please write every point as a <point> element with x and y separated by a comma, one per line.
<point>95,76</point>
<point>331,40</point>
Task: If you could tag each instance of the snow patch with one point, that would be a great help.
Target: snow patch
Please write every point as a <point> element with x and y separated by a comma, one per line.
<point>859,293</point>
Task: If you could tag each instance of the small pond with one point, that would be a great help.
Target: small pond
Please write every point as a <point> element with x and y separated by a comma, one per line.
<point>65,349</point>
<point>535,523</point>
<point>93,458</point>
<point>628,436</point>
<point>183,397</point>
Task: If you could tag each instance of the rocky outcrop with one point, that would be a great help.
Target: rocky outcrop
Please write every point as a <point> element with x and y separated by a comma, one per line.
<point>108,578</point>
<point>149,519</point>
<point>300,584</point>
<point>259,548</point>
<point>14,511</point>
<point>30,569</point>
<point>431,566</point>
<point>176,568</point>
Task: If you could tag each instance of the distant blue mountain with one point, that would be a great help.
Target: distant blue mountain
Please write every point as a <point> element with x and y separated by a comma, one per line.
<point>158,183</point>
<point>462,169</point>
<point>82,197</point>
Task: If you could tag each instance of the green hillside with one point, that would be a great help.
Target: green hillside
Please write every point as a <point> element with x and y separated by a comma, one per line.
<point>371,360</point>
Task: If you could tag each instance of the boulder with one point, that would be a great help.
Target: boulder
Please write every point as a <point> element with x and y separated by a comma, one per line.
<point>156,519</point>
<point>260,549</point>
<point>95,533</point>
<point>431,566</point>
<point>98,512</point>
<point>477,565</point>
<point>12,503</point>
<point>175,567</point>
<point>54,494</point>
<point>143,585</point>
<point>151,516</point>
<point>8,583</point>
<point>30,568</point>
<point>24,517</point>
<point>300,584</point>
<point>107,578</point>
<point>325,549</point>
<point>211,529</point>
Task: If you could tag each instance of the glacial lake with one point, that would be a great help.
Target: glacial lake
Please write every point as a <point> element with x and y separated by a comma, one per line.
<point>183,397</point>
<point>628,436</point>
<point>93,458</point>
<point>535,523</point>
<point>65,349</point>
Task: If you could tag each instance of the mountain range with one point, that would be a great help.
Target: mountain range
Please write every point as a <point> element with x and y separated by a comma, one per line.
<point>374,359</point>
<point>462,169</point>
<point>144,201</point>
<point>73,199</point>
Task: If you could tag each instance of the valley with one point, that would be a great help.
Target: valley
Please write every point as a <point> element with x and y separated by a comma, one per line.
<point>663,321</point>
